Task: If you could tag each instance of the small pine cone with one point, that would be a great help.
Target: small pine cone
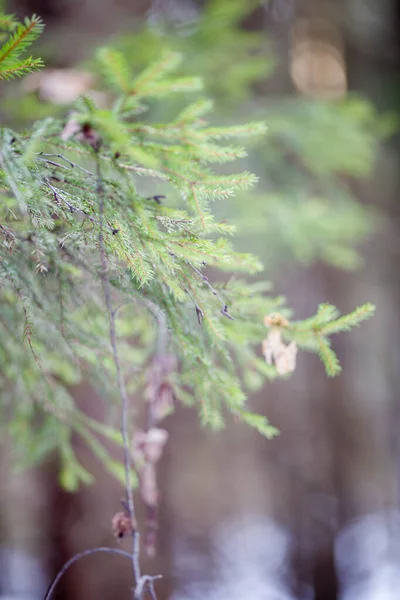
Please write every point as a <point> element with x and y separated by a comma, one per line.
<point>122,525</point>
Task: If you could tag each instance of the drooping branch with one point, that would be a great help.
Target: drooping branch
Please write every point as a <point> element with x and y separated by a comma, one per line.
<point>120,380</point>
<point>141,581</point>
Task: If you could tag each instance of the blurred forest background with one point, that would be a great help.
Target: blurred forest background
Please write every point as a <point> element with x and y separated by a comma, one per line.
<point>313,514</point>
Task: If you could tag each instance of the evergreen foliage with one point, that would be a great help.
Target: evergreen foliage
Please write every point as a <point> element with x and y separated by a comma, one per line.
<point>305,206</point>
<point>113,195</point>
<point>19,37</point>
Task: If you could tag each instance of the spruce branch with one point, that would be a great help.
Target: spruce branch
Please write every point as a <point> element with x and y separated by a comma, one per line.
<point>20,69</point>
<point>328,357</point>
<point>11,65</point>
<point>156,259</point>
<point>347,322</point>
<point>115,69</point>
<point>167,62</point>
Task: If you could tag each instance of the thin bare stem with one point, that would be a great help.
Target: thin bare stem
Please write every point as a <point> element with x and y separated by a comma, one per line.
<point>7,232</point>
<point>162,344</point>
<point>72,164</point>
<point>120,382</point>
<point>159,315</point>
<point>52,163</point>
<point>146,580</point>
<point>224,309</point>
<point>152,590</point>
<point>199,311</point>
<point>75,559</point>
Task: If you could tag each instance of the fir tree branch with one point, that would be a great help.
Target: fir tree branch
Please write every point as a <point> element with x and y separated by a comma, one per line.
<point>156,260</point>
<point>328,357</point>
<point>22,68</point>
<point>348,322</point>
<point>23,37</point>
